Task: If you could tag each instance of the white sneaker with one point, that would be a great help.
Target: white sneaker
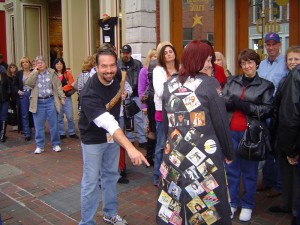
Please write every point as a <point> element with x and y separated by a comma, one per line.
<point>245,215</point>
<point>38,150</point>
<point>56,148</point>
<point>233,210</point>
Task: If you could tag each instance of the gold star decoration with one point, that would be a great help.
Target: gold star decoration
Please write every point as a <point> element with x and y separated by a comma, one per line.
<point>197,20</point>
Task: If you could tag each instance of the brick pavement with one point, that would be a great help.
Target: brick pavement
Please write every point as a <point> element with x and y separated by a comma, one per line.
<point>45,189</point>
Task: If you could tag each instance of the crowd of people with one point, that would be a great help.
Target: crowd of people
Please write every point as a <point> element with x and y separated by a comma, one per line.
<point>193,114</point>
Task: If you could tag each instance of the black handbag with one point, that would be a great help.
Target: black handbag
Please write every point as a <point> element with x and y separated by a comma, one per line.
<point>70,93</point>
<point>130,109</point>
<point>255,142</point>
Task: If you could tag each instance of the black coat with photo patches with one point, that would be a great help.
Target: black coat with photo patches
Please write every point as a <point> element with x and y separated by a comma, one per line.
<point>199,148</point>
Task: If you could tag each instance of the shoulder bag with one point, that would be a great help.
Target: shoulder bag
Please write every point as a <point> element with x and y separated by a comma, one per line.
<point>255,142</point>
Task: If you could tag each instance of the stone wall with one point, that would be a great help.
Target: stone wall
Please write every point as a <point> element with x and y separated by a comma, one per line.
<point>140,16</point>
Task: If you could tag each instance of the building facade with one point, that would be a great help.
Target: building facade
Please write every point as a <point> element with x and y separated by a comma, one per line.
<point>71,28</point>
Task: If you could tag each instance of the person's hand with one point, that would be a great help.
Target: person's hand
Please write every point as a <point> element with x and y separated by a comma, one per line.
<point>124,95</point>
<point>63,101</point>
<point>293,161</point>
<point>144,111</point>
<point>137,158</point>
<point>20,92</point>
<point>227,161</point>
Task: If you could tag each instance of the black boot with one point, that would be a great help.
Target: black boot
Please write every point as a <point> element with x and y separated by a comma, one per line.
<point>150,151</point>
<point>3,131</point>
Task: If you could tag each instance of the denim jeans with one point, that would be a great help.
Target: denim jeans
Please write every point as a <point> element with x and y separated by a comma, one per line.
<point>24,108</point>
<point>139,125</point>
<point>3,111</point>
<point>98,159</point>
<point>46,111</point>
<point>241,169</point>
<point>67,109</point>
<point>159,148</point>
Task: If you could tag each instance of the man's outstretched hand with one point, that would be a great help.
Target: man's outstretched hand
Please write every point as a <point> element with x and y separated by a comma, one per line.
<point>137,158</point>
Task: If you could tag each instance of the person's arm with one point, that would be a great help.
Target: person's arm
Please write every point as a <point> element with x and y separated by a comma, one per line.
<point>108,122</point>
<point>159,78</point>
<point>266,108</point>
<point>127,89</point>
<point>289,120</point>
<point>57,84</point>
<point>219,119</point>
<point>142,85</point>
<point>31,80</point>
<point>70,79</point>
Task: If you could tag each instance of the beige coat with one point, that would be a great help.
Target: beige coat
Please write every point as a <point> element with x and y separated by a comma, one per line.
<point>56,86</point>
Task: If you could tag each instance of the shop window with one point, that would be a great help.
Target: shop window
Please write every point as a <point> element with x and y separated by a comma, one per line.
<point>275,11</point>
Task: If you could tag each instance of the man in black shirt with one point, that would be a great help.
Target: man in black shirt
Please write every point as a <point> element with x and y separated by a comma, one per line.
<point>99,131</point>
<point>133,67</point>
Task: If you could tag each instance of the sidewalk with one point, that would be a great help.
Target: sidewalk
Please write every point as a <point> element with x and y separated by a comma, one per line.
<point>45,189</point>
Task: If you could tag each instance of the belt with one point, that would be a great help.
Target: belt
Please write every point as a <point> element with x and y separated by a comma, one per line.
<point>27,90</point>
<point>45,97</point>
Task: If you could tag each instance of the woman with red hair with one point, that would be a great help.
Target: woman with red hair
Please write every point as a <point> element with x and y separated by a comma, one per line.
<point>195,92</point>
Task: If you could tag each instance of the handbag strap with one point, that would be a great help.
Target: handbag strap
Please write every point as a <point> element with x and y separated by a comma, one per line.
<point>113,101</point>
<point>257,110</point>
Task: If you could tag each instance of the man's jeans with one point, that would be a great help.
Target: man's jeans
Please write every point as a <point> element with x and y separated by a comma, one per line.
<point>46,111</point>
<point>24,108</point>
<point>98,159</point>
<point>67,109</point>
<point>159,148</point>
<point>139,124</point>
<point>241,169</point>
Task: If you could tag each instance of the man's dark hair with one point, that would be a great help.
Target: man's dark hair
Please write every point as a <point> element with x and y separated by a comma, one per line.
<point>105,52</point>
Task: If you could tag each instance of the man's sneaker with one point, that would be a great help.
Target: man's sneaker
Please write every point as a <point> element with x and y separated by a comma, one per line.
<point>245,215</point>
<point>56,148</point>
<point>38,150</point>
<point>115,220</point>
<point>233,210</point>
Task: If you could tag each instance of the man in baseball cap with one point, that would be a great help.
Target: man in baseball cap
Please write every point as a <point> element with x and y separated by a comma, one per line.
<point>126,49</point>
<point>273,69</point>
<point>272,36</point>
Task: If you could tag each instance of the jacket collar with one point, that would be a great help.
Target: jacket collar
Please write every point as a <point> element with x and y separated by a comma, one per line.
<point>256,81</point>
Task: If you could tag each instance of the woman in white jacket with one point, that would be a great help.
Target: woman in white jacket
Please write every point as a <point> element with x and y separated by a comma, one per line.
<point>168,64</point>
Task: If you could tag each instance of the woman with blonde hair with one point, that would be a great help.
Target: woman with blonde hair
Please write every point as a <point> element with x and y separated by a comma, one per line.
<point>24,92</point>
<point>143,85</point>
<point>221,61</point>
<point>87,65</point>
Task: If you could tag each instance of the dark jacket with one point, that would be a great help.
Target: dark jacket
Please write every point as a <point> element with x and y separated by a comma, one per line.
<point>4,87</point>
<point>18,84</point>
<point>133,70</point>
<point>258,93</point>
<point>288,131</point>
